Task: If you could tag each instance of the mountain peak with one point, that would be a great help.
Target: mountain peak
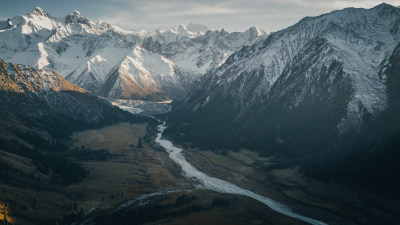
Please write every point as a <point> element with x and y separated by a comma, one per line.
<point>104,25</point>
<point>38,9</point>
<point>76,17</point>
<point>385,8</point>
<point>256,30</point>
<point>39,12</point>
<point>76,14</point>
<point>383,5</point>
<point>181,27</point>
<point>191,28</point>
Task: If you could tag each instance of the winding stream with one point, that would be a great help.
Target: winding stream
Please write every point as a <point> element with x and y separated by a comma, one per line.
<point>221,186</point>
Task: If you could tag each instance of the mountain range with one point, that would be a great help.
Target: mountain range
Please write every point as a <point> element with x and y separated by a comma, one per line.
<point>321,96</point>
<point>111,62</point>
<point>42,100</point>
<point>39,111</point>
<point>314,94</point>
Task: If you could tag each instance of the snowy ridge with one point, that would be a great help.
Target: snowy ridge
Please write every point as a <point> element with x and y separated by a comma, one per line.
<point>29,94</point>
<point>179,32</point>
<point>196,56</point>
<point>91,54</point>
<point>360,40</point>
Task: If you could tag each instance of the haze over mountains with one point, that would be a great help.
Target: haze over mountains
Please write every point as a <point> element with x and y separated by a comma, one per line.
<point>112,62</point>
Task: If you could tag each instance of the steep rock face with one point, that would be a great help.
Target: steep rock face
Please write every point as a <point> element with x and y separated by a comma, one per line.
<point>95,56</point>
<point>323,76</point>
<point>24,79</point>
<point>133,73</point>
<point>179,32</point>
<point>369,157</point>
<point>34,95</point>
<point>39,111</point>
<point>196,56</point>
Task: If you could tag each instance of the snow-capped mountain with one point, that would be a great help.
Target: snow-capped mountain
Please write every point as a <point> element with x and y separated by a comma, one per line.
<point>195,56</point>
<point>179,32</point>
<point>325,73</point>
<point>30,94</point>
<point>39,110</point>
<point>113,62</point>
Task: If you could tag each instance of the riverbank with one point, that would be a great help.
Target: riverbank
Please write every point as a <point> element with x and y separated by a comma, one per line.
<point>208,205</point>
<point>202,180</point>
<point>332,201</point>
<point>118,170</point>
<point>130,171</point>
<point>124,172</point>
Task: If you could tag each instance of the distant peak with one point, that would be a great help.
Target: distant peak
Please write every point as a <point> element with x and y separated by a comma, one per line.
<point>104,25</point>
<point>180,30</point>
<point>256,30</point>
<point>386,9</point>
<point>39,12</point>
<point>190,28</point>
<point>181,27</point>
<point>76,17</point>
<point>75,13</point>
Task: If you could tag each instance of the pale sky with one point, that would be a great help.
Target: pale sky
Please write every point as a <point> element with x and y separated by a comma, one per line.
<point>232,15</point>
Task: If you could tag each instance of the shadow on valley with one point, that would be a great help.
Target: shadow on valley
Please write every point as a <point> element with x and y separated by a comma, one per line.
<point>36,151</point>
<point>306,136</point>
<point>197,207</point>
<point>42,133</point>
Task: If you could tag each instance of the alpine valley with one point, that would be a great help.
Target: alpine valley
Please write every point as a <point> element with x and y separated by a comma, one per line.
<point>321,95</point>
<point>298,126</point>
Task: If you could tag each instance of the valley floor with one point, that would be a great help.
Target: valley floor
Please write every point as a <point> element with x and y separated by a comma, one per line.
<point>136,168</point>
<point>330,202</point>
<point>129,172</point>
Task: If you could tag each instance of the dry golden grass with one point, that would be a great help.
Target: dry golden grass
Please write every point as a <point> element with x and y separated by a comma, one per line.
<point>22,163</point>
<point>116,138</point>
<point>4,214</point>
<point>135,171</point>
<point>130,170</point>
<point>28,79</point>
<point>291,186</point>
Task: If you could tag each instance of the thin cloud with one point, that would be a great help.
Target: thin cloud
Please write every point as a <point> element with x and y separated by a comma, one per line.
<point>233,15</point>
<point>189,9</point>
